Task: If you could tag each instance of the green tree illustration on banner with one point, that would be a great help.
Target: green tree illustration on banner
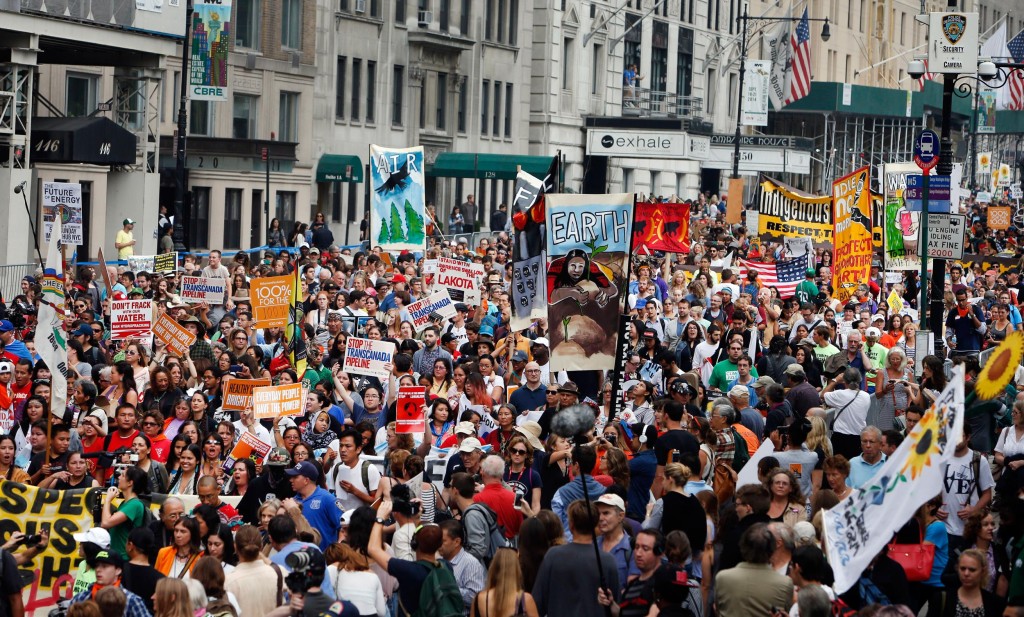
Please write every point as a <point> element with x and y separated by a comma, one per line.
<point>397,233</point>
<point>415,224</point>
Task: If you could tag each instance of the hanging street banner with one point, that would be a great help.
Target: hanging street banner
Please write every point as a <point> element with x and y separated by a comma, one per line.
<point>853,244</point>
<point>902,225</point>
<point>661,227</point>
<point>67,197</point>
<point>588,253</point>
<point>196,289</point>
<point>775,45</point>
<point>271,299</point>
<point>984,163</point>
<point>986,119</point>
<point>177,337</point>
<point>863,524</point>
<point>788,212</point>
<point>131,319</point>
<point>364,356</point>
<point>397,207</point>
<point>529,260</point>
<point>462,280</point>
<point>270,401</point>
<point>755,93</point>
<point>211,41</point>
<point>437,302</point>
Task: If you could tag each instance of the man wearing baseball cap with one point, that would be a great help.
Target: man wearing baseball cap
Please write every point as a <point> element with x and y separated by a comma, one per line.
<point>108,574</point>
<point>124,242</point>
<point>611,509</point>
<point>318,506</point>
<point>14,349</point>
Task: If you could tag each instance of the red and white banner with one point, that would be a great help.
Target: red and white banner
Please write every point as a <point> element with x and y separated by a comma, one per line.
<point>131,319</point>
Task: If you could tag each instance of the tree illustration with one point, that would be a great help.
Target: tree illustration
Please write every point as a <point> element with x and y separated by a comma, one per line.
<point>415,224</point>
<point>397,234</point>
<point>384,236</point>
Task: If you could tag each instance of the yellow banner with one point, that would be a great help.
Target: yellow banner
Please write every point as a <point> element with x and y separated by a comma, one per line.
<point>854,241</point>
<point>787,212</point>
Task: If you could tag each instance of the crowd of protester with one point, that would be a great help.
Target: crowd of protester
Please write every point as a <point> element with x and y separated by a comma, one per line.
<point>489,512</point>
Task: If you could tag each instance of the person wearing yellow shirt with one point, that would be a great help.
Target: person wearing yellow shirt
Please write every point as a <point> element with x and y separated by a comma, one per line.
<point>124,242</point>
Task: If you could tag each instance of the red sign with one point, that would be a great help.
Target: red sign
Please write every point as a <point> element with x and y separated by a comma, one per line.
<point>409,412</point>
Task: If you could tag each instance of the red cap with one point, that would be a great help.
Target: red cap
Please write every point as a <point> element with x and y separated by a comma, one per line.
<point>120,296</point>
<point>398,278</point>
<point>873,286</point>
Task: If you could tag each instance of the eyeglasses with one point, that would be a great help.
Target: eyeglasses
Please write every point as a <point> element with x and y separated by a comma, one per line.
<point>130,352</point>
<point>214,442</point>
<point>150,423</point>
<point>517,451</point>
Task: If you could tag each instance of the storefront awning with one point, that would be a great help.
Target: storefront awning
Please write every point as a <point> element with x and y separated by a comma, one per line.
<point>487,166</point>
<point>339,168</point>
<point>95,140</point>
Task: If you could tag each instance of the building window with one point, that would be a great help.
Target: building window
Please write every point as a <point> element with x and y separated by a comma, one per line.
<point>247,24</point>
<point>513,22</point>
<point>397,89</point>
<point>631,51</point>
<point>81,95</point>
<point>711,90</point>
<point>423,102</point>
<point>659,57</point>
<point>200,118</point>
<point>284,208</point>
<point>400,11</point>
<point>567,61</point>
<point>464,17</point>
<point>199,218</point>
<point>442,102</point>
<point>357,74</point>
<point>684,62</point>
<point>485,105</point>
<point>287,129</point>
<point>375,9</point>
<point>463,108</point>
<point>371,90</point>
<point>339,88</point>
<point>233,218</point>
<point>291,24</point>
<point>597,70</point>
<point>445,14</point>
<point>343,6</point>
<point>499,27</point>
<point>508,109</point>
<point>243,117</point>
<point>496,125</point>
<point>488,18</point>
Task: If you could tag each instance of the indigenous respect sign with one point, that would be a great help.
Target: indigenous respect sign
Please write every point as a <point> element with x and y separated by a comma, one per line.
<point>196,289</point>
<point>364,356</point>
<point>131,319</point>
<point>437,302</point>
<point>784,211</point>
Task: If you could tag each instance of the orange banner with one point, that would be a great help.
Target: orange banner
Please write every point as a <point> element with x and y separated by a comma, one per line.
<point>269,401</point>
<point>176,336</point>
<point>271,298</point>
<point>238,393</point>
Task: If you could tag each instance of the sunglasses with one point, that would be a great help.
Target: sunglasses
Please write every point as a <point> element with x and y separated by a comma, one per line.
<point>150,423</point>
<point>518,451</point>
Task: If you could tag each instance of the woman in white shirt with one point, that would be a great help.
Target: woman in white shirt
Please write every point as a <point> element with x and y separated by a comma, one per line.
<point>495,384</point>
<point>1011,439</point>
<point>353,581</point>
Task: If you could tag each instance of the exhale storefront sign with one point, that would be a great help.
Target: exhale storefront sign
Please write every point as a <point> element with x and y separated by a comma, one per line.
<point>635,144</point>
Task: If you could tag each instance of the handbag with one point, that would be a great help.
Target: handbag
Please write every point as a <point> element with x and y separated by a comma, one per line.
<point>441,514</point>
<point>916,559</point>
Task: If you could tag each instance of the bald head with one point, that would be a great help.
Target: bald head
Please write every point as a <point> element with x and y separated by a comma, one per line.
<point>532,372</point>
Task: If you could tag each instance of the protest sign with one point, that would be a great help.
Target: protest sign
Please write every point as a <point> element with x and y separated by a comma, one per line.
<point>6,420</point>
<point>177,337</point>
<point>588,252</point>
<point>529,293</point>
<point>854,244</point>
<point>367,357</point>
<point>901,225</point>
<point>269,401</point>
<point>786,211</point>
<point>131,319</point>
<point>662,227</point>
<point>895,302</point>
<point>166,263</point>
<point>437,302</point>
<point>248,446</point>
<point>238,393</point>
<point>409,413</point>
<point>196,289</point>
<point>271,298</point>
<point>397,205</point>
<point>66,197</point>
<point>462,279</point>
<point>142,263</point>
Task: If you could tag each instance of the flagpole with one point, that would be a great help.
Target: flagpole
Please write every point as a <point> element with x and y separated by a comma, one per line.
<point>55,371</point>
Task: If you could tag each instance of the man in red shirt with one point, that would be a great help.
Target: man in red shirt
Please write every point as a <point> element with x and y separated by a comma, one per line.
<point>22,386</point>
<point>125,433</point>
<point>498,498</point>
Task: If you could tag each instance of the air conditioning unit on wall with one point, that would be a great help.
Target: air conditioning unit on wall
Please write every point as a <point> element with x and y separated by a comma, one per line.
<point>426,18</point>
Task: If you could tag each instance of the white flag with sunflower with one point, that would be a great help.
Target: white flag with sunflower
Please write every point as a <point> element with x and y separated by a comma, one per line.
<point>862,524</point>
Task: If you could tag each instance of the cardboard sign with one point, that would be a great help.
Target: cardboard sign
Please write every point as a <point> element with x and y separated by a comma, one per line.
<point>248,446</point>
<point>271,297</point>
<point>131,319</point>
<point>410,416</point>
<point>437,302</point>
<point>177,337</point>
<point>196,289</point>
<point>238,393</point>
<point>461,278</point>
<point>167,263</point>
<point>142,263</point>
<point>269,401</point>
<point>367,357</point>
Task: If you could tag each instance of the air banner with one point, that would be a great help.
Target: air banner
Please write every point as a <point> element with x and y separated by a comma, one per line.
<point>784,211</point>
<point>397,208</point>
<point>211,41</point>
<point>853,242</point>
<point>588,253</point>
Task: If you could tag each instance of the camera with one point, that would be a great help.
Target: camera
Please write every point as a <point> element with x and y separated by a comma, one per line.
<point>307,569</point>
<point>61,610</point>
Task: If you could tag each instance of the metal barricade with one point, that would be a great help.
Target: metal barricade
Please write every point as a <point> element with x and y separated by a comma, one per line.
<point>10,278</point>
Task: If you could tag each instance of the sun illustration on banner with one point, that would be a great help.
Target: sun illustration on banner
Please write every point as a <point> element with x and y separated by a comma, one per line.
<point>1000,367</point>
<point>925,444</point>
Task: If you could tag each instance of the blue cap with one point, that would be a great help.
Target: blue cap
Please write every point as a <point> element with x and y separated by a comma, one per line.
<point>341,608</point>
<point>83,330</point>
<point>486,331</point>
<point>641,303</point>
<point>305,468</point>
<point>6,326</point>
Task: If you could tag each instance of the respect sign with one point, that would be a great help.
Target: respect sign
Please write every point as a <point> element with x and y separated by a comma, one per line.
<point>437,302</point>
<point>271,297</point>
<point>461,278</point>
<point>178,338</point>
<point>238,393</point>
<point>131,319</point>
<point>196,289</point>
<point>269,401</point>
<point>367,357</point>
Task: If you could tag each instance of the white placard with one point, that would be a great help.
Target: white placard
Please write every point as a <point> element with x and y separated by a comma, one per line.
<point>946,235</point>
<point>68,197</point>
<point>196,289</point>
<point>755,93</point>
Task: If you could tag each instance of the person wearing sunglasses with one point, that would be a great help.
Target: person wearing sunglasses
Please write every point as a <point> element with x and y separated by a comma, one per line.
<point>519,473</point>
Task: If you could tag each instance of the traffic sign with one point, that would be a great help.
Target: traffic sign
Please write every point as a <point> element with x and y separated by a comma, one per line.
<point>939,193</point>
<point>946,235</point>
<point>926,150</point>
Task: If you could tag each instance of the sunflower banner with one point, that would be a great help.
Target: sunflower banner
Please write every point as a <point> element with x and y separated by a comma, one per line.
<point>863,524</point>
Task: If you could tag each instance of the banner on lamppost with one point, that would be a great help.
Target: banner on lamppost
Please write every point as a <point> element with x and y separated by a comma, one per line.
<point>211,42</point>
<point>986,111</point>
<point>776,47</point>
<point>755,93</point>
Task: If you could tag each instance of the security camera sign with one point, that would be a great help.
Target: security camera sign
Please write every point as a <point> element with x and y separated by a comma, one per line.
<point>946,235</point>
<point>65,198</point>
<point>953,43</point>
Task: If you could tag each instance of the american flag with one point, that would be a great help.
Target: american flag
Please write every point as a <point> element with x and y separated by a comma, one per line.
<point>928,76</point>
<point>783,275</point>
<point>1016,47</point>
<point>800,64</point>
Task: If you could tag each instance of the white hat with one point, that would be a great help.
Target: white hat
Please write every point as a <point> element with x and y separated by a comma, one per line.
<point>97,535</point>
<point>346,518</point>
<point>541,341</point>
<point>470,444</point>
<point>6,367</point>
<point>873,332</point>
<point>615,501</point>
<point>465,428</point>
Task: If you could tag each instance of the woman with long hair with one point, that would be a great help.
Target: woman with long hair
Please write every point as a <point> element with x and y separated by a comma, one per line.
<point>180,413</point>
<point>520,476</point>
<point>156,473</point>
<point>173,457</point>
<point>933,532</point>
<point>494,383</point>
<point>36,408</point>
<point>476,395</point>
<point>172,598</point>
<point>933,381</point>
<point>614,468</point>
<point>533,546</point>
<point>201,414</point>
<point>503,594</point>
<point>894,389</point>
<point>439,431</point>
<point>909,342</point>
<point>979,535</point>
<point>8,470</point>
<point>138,357</point>
<point>971,597</point>
<point>817,440</point>
<point>212,463</point>
<point>692,336</point>
<point>349,569</point>
<point>76,474</point>
<point>275,235</point>
<point>499,439</point>
<point>555,472</point>
<point>788,504</point>
<point>186,479</point>
<point>701,429</point>
<point>122,387</point>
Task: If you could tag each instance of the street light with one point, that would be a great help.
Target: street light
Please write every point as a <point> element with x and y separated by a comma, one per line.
<point>826,34</point>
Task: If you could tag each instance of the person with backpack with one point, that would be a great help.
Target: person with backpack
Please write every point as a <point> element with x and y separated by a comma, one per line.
<point>483,534</point>
<point>354,481</point>
<point>426,586</point>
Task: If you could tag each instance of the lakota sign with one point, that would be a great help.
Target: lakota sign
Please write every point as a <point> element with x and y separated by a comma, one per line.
<point>269,401</point>
<point>271,298</point>
<point>131,319</point>
<point>238,393</point>
<point>462,279</point>
<point>196,289</point>
<point>364,356</point>
<point>177,337</point>
<point>784,211</point>
<point>437,302</point>
<point>854,246</point>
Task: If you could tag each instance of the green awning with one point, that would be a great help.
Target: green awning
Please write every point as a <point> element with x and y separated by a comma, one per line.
<point>339,168</point>
<point>487,166</point>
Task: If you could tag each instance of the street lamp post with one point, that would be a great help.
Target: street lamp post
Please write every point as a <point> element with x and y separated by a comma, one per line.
<point>826,34</point>
<point>179,155</point>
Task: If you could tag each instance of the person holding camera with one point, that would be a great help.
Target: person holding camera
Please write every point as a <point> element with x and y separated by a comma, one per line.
<point>308,598</point>
<point>131,482</point>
